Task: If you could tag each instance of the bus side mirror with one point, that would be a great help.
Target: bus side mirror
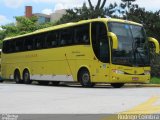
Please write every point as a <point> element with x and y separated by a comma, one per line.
<point>155,42</point>
<point>114,40</point>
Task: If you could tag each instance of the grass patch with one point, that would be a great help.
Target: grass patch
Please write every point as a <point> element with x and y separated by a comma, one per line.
<point>155,80</point>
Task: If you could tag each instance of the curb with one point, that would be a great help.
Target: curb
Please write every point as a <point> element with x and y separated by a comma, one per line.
<point>143,85</point>
<point>151,85</point>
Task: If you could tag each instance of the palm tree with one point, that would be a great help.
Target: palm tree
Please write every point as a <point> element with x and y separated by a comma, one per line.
<point>98,6</point>
<point>111,9</point>
<point>127,3</point>
<point>98,10</point>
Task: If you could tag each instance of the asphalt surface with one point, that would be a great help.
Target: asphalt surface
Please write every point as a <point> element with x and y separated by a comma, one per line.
<point>74,99</point>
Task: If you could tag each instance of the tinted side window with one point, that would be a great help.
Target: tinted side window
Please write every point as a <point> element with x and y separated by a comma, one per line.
<point>4,50</point>
<point>66,37</point>
<point>19,45</point>
<point>29,43</point>
<point>4,47</point>
<point>52,39</point>
<point>10,46</point>
<point>82,34</point>
<point>39,40</point>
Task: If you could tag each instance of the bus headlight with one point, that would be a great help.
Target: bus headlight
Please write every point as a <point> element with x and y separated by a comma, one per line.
<point>147,72</point>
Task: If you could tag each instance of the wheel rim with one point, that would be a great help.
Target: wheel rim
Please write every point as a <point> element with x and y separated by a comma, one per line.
<point>85,78</point>
<point>17,78</point>
<point>26,76</point>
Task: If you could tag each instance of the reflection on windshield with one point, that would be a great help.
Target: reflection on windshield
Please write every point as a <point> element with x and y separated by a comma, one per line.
<point>132,49</point>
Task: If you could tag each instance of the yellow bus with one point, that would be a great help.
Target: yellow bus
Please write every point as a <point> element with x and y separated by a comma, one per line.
<point>102,50</point>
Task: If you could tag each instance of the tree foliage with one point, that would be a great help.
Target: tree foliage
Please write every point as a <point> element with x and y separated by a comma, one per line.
<point>98,10</point>
<point>76,14</point>
<point>126,3</point>
<point>84,13</point>
<point>2,34</point>
<point>23,25</point>
<point>10,30</point>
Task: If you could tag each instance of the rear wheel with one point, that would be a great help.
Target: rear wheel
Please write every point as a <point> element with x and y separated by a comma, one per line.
<point>84,78</point>
<point>43,82</point>
<point>117,85</point>
<point>26,77</point>
<point>17,77</point>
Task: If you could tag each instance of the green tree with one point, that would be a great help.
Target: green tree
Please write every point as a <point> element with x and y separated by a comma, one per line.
<point>119,10</point>
<point>115,10</point>
<point>2,34</point>
<point>98,10</point>
<point>98,6</point>
<point>84,13</point>
<point>127,3</point>
<point>10,30</point>
<point>26,25</point>
<point>23,25</point>
<point>76,14</point>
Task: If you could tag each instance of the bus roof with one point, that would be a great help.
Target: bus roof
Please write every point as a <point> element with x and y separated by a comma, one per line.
<point>73,24</point>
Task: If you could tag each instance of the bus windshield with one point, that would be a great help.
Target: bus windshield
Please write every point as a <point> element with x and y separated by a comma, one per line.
<point>132,45</point>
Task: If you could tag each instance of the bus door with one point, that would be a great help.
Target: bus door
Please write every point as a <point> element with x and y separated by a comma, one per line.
<point>100,45</point>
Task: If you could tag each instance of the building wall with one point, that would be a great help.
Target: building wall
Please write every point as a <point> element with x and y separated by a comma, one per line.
<point>57,15</point>
<point>43,18</point>
<point>28,11</point>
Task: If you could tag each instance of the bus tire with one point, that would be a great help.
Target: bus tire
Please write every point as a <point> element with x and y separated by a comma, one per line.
<point>43,82</point>
<point>117,85</point>
<point>84,78</point>
<point>55,83</point>
<point>17,77</point>
<point>26,77</point>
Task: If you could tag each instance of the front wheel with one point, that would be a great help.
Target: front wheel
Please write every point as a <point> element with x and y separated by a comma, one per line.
<point>26,77</point>
<point>117,85</point>
<point>84,78</point>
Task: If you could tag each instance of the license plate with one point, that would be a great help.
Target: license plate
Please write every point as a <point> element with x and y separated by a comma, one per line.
<point>135,78</point>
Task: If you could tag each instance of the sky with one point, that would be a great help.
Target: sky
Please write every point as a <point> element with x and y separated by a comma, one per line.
<point>11,8</point>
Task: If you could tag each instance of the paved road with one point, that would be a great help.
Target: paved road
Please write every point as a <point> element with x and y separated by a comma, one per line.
<point>73,99</point>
